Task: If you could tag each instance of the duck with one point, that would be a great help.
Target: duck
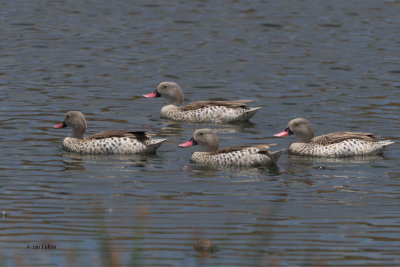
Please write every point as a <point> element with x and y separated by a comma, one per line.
<point>200,111</point>
<point>106,142</point>
<point>242,156</point>
<point>333,145</point>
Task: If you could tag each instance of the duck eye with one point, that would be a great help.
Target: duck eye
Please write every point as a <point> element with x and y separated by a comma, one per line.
<point>164,86</point>
<point>201,133</point>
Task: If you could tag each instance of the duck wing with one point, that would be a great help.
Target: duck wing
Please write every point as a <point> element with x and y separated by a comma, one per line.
<point>139,135</point>
<point>333,138</point>
<point>238,148</point>
<point>210,103</point>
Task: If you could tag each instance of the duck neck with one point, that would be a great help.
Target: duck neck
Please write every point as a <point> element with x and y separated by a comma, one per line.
<point>210,147</point>
<point>305,137</point>
<point>78,133</point>
<point>304,133</point>
<point>176,99</point>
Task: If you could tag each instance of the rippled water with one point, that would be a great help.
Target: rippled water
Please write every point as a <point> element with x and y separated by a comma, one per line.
<point>333,62</point>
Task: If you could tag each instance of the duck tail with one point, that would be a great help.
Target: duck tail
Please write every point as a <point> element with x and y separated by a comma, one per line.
<point>153,144</point>
<point>276,154</point>
<point>251,111</point>
<point>386,142</point>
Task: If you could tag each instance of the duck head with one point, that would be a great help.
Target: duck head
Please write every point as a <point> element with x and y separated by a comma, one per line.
<point>170,91</point>
<point>206,138</point>
<point>300,127</point>
<point>76,121</point>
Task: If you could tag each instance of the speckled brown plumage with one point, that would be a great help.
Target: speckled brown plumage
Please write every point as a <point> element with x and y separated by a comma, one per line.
<point>252,155</point>
<point>260,147</point>
<point>106,142</point>
<point>338,144</point>
<point>139,135</point>
<point>200,111</point>
<point>210,103</point>
<point>338,137</point>
<point>213,114</point>
<point>111,145</point>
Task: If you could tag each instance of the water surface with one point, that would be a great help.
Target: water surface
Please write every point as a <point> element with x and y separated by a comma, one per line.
<point>335,63</point>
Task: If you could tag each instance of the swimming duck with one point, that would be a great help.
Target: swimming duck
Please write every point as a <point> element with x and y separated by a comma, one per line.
<point>107,142</point>
<point>200,111</point>
<point>252,155</point>
<point>339,144</point>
